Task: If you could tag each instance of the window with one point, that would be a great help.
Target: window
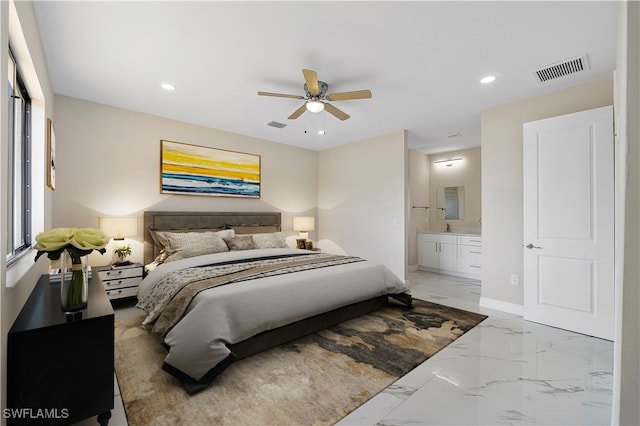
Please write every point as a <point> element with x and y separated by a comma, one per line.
<point>19,170</point>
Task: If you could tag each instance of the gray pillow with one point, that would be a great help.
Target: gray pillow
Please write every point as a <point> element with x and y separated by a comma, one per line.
<point>240,242</point>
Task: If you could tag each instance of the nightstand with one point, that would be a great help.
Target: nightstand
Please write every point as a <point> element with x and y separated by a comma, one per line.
<point>120,281</point>
<point>60,367</point>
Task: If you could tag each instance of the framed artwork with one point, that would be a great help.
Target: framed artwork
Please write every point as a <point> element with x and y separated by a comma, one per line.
<point>308,245</point>
<point>200,170</point>
<point>51,155</point>
<point>301,243</point>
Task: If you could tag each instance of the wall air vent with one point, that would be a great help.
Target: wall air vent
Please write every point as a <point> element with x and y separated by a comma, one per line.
<point>570,66</point>
<point>276,124</point>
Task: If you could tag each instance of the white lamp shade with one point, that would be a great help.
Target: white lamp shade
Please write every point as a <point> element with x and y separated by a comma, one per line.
<point>118,228</point>
<point>304,223</point>
<point>315,106</point>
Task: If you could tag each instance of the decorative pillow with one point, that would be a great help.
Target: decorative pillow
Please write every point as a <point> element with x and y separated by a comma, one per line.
<point>181,245</point>
<point>240,242</point>
<point>160,240</point>
<point>272,240</point>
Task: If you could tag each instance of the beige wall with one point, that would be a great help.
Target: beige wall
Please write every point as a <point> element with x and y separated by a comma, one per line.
<point>502,183</point>
<point>109,164</point>
<point>418,198</point>
<point>465,173</point>
<point>626,393</point>
<point>18,27</point>
<point>362,200</point>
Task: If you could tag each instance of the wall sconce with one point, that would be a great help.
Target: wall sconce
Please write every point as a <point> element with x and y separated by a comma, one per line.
<point>449,162</point>
<point>304,225</point>
<point>119,228</point>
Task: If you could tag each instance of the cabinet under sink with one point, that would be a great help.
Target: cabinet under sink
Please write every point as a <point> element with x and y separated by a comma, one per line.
<point>449,253</point>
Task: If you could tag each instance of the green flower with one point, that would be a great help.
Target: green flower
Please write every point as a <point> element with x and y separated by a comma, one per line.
<point>89,239</point>
<point>77,242</point>
<point>54,239</point>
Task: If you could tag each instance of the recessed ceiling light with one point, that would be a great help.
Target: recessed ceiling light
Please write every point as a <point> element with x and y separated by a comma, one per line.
<point>488,79</point>
<point>168,86</point>
<point>321,132</point>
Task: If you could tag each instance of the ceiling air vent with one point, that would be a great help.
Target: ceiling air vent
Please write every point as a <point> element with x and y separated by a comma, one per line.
<point>563,68</point>
<point>453,135</point>
<point>276,124</point>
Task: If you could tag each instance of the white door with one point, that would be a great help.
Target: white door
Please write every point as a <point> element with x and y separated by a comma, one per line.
<point>569,222</point>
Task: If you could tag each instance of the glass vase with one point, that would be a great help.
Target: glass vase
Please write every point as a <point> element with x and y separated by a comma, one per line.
<point>74,283</point>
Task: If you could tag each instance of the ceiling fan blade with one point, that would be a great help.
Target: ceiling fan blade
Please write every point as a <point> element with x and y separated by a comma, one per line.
<point>345,96</point>
<point>311,78</point>
<point>297,113</point>
<point>341,115</point>
<point>280,95</point>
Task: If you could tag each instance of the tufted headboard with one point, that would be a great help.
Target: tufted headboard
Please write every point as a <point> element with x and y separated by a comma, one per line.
<point>157,220</point>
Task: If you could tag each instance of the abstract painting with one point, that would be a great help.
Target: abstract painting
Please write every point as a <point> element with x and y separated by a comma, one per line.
<point>200,170</point>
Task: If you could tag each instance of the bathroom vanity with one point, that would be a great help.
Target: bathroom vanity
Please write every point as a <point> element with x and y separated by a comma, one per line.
<point>450,253</point>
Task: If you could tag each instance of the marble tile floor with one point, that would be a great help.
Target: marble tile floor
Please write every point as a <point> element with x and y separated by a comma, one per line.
<point>504,371</point>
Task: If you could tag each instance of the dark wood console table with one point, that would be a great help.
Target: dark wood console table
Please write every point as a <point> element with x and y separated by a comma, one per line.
<point>60,368</point>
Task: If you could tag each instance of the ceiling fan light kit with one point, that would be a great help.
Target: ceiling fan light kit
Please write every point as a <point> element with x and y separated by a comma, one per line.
<point>316,97</point>
<point>314,106</point>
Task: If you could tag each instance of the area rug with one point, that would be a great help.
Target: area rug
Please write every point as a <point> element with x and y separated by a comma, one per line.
<point>315,380</point>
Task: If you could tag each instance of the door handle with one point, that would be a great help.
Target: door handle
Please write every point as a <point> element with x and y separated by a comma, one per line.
<point>531,246</point>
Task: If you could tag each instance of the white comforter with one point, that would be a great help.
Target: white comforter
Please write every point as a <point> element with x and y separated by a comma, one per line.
<point>232,313</point>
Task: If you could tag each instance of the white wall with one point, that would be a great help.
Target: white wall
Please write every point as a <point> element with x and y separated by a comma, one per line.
<point>464,173</point>
<point>502,182</point>
<point>362,205</point>
<point>109,164</point>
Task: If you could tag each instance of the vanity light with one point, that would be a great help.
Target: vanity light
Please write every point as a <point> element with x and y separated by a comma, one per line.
<point>449,162</point>
<point>488,79</point>
<point>321,132</point>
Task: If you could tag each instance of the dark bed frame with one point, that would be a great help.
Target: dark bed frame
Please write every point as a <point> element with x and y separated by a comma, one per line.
<point>267,222</point>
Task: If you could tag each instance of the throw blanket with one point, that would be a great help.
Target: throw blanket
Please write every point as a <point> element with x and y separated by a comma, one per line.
<point>167,302</point>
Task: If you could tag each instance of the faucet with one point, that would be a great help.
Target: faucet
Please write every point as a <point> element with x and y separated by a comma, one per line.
<point>447,228</point>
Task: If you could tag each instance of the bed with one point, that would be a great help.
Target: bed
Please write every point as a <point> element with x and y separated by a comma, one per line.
<point>224,285</point>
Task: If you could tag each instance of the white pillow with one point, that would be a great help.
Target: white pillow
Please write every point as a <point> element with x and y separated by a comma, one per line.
<point>270,240</point>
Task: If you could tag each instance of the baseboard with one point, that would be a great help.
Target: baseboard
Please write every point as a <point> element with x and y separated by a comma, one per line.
<point>412,268</point>
<point>452,273</point>
<point>500,305</point>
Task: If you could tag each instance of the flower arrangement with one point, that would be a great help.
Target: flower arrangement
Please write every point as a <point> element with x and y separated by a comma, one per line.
<point>122,252</point>
<point>77,243</point>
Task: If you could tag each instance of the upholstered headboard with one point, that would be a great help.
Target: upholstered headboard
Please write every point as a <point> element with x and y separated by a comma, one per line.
<point>204,220</point>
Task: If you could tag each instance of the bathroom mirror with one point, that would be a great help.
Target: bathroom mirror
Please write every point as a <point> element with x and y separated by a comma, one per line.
<point>450,205</point>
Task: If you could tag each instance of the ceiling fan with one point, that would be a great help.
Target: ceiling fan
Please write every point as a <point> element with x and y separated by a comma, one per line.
<point>316,97</point>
